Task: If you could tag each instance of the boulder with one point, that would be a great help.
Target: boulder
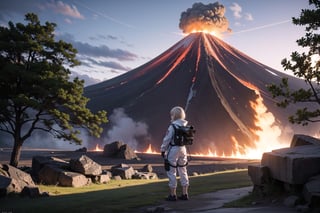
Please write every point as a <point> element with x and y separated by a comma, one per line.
<point>103,178</point>
<point>13,180</point>
<point>22,177</point>
<point>294,165</point>
<point>147,168</point>
<point>112,149</point>
<point>49,175</point>
<point>52,175</point>
<point>301,140</point>
<point>119,150</point>
<point>32,192</point>
<point>126,152</point>
<point>38,162</point>
<point>259,174</point>
<point>7,185</point>
<point>117,177</point>
<point>145,175</point>
<point>73,179</point>
<point>311,191</point>
<point>123,170</point>
<point>86,166</point>
<point>291,201</point>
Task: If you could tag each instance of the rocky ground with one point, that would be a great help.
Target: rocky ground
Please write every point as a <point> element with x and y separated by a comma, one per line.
<point>210,202</point>
<point>199,165</point>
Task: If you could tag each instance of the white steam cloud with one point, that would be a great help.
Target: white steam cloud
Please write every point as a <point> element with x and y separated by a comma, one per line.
<point>203,17</point>
<point>125,129</point>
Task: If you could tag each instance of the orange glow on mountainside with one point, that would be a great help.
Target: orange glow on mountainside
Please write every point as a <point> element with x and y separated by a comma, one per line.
<point>206,31</point>
<point>268,136</point>
<point>177,62</point>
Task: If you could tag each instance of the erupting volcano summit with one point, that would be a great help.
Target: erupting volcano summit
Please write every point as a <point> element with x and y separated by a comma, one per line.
<point>222,90</point>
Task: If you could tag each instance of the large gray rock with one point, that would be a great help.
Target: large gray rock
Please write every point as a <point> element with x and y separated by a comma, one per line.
<point>123,170</point>
<point>119,150</point>
<point>32,192</point>
<point>112,149</point>
<point>86,166</point>
<point>38,162</point>
<point>145,175</point>
<point>311,191</point>
<point>259,174</point>
<point>13,180</point>
<point>301,140</point>
<point>147,168</point>
<point>52,175</point>
<point>7,185</point>
<point>73,179</point>
<point>126,152</point>
<point>103,178</point>
<point>49,175</point>
<point>293,165</point>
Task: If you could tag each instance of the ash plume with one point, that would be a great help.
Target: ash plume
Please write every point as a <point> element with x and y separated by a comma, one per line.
<point>203,17</point>
<point>125,129</point>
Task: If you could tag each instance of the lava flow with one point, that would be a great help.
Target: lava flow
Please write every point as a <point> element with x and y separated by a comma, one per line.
<point>222,90</point>
<point>97,148</point>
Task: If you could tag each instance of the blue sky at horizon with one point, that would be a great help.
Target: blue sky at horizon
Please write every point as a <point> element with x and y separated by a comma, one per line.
<point>116,36</point>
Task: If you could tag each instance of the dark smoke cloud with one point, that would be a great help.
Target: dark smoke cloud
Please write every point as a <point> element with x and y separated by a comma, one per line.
<point>203,17</point>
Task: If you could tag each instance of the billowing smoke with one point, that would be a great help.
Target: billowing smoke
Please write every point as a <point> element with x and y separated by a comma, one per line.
<point>204,18</point>
<point>125,129</point>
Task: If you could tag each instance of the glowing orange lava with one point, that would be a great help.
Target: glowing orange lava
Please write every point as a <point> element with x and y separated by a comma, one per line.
<point>265,136</point>
<point>268,135</point>
<point>177,62</point>
<point>150,151</point>
<point>98,149</point>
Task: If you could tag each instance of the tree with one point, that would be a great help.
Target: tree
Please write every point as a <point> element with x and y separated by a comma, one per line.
<point>35,90</point>
<point>306,66</point>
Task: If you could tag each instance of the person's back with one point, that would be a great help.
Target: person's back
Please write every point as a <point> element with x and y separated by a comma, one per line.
<point>176,156</point>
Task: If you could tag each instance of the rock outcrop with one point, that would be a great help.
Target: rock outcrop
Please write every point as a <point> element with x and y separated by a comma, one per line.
<point>119,149</point>
<point>13,180</point>
<point>295,169</point>
<point>86,166</point>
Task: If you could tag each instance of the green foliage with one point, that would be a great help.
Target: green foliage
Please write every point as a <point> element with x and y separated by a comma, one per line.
<point>35,89</point>
<point>304,65</point>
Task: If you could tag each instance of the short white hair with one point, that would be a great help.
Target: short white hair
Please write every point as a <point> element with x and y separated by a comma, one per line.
<point>177,113</point>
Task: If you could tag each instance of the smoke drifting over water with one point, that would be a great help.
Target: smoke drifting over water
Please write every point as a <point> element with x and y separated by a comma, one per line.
<point>125,129</point>
<point>203,17</point>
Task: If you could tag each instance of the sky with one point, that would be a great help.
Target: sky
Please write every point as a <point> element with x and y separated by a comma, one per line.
<point>115,36</point>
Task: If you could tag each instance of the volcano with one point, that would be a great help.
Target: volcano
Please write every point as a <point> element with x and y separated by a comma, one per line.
<point>220,88</point>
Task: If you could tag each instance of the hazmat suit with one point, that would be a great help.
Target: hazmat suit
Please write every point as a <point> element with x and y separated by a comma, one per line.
<point>176,155</point>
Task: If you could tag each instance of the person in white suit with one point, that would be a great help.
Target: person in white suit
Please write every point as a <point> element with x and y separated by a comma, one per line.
<point>175,156</point>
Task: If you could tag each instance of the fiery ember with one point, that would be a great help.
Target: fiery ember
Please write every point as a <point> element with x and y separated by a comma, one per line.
<point>98,149</point>
<point>150,151</point>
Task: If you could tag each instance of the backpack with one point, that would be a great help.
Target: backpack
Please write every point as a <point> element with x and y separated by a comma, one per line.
<point>183,135</point>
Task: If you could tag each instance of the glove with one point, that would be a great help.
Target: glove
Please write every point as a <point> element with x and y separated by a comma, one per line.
<point>162,154</point>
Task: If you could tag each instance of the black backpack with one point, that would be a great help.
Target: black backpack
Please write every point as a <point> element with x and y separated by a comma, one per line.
<point>183,135</point>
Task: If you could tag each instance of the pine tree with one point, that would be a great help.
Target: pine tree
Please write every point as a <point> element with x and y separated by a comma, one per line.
<point>304,65</point>
<point>36,93</point>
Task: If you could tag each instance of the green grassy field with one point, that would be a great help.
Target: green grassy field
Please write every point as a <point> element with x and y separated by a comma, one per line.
<point>118,196</point>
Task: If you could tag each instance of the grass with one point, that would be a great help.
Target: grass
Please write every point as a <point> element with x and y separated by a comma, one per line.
<point>118,196</point>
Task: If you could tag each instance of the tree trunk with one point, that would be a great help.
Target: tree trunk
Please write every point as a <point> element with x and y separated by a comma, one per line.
<point>15,155</point>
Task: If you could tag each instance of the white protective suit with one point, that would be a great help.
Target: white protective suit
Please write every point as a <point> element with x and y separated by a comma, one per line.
<point>176,155</point>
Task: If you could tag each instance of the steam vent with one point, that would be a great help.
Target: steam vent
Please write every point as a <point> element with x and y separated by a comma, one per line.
<point>222,90</point>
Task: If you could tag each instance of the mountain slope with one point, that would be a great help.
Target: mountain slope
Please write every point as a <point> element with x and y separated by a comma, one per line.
<point>218,86</point>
